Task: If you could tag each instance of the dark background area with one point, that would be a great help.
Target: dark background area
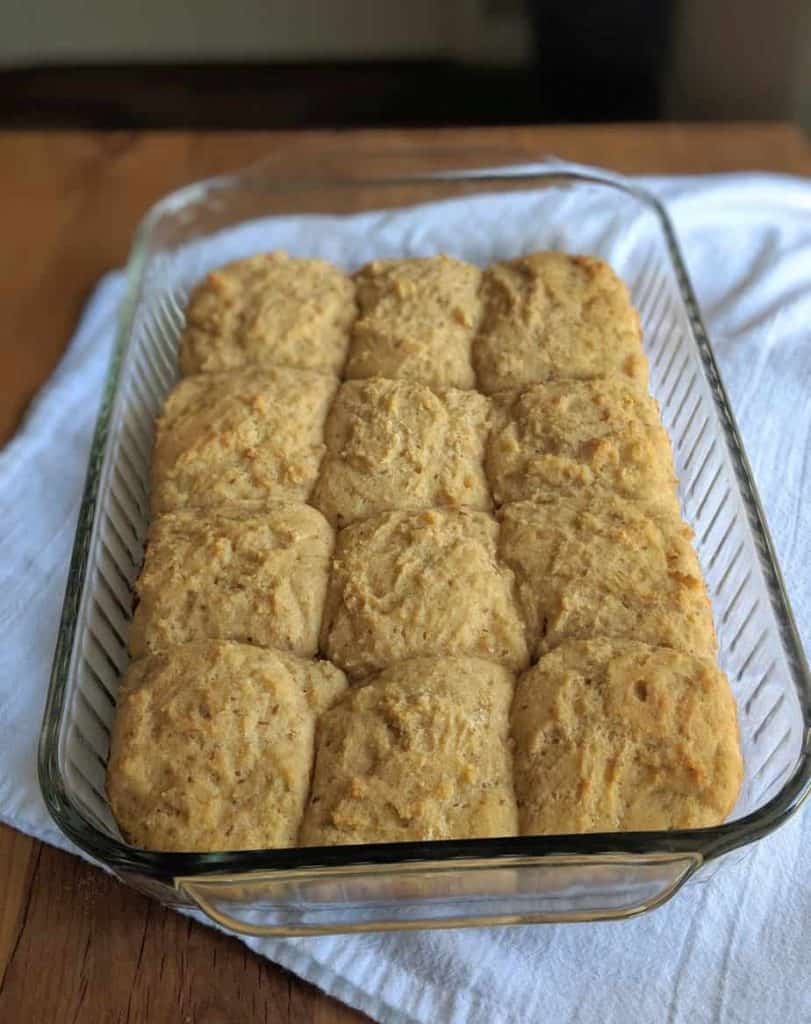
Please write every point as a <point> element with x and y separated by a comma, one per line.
<point>345,64</point>
<point>318,95</point>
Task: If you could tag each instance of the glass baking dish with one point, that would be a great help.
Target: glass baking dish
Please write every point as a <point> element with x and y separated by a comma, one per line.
<point>479,216</point>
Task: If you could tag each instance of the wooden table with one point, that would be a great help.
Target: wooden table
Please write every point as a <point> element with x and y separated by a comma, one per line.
<point>74,944</point>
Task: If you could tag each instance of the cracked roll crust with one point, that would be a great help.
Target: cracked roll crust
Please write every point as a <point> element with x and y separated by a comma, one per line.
<point>417,319</point>
<point>420,583</point>
<point>549,315</point>
<point>619,736</point>
<point>269,310</point>
<point>212,746</point>
<point>420,752</point>
<point>574,437</point>
<point>226,438</point>
<point>253,575</point>
<point>400,445</point>
<point>605,567</point>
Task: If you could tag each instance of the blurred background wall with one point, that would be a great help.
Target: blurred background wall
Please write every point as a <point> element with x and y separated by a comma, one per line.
<point>257,63</point>
<point>281,30</point>
<point>741,59</point>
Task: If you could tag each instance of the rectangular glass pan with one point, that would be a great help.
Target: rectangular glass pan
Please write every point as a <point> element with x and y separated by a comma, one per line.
<point>479,217</point>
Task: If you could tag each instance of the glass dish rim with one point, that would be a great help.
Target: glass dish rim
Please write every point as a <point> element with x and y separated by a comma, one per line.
<point>707,843</point>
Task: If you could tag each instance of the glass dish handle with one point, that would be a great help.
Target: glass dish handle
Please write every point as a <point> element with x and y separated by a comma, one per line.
<point>396,896</point>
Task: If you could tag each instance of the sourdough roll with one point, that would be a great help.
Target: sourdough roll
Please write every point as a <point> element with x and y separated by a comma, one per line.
<point>419,752</point>
<point>269,310</point>
<point>576,437</point>
<point>605,567</point>
<point>614,735</point>
<point>252,435</point>
<point>212,746</point>
<point>416,321</point>
<point>253,574</point>
<point>396,444</point>
<point>548,316</point>
<point>406,584</point>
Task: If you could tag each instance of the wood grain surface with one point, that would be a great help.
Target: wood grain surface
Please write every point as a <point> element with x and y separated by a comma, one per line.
<point>75,945</point>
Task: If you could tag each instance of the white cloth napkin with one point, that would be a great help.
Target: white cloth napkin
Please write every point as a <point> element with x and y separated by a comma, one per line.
<point>728,951</point>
